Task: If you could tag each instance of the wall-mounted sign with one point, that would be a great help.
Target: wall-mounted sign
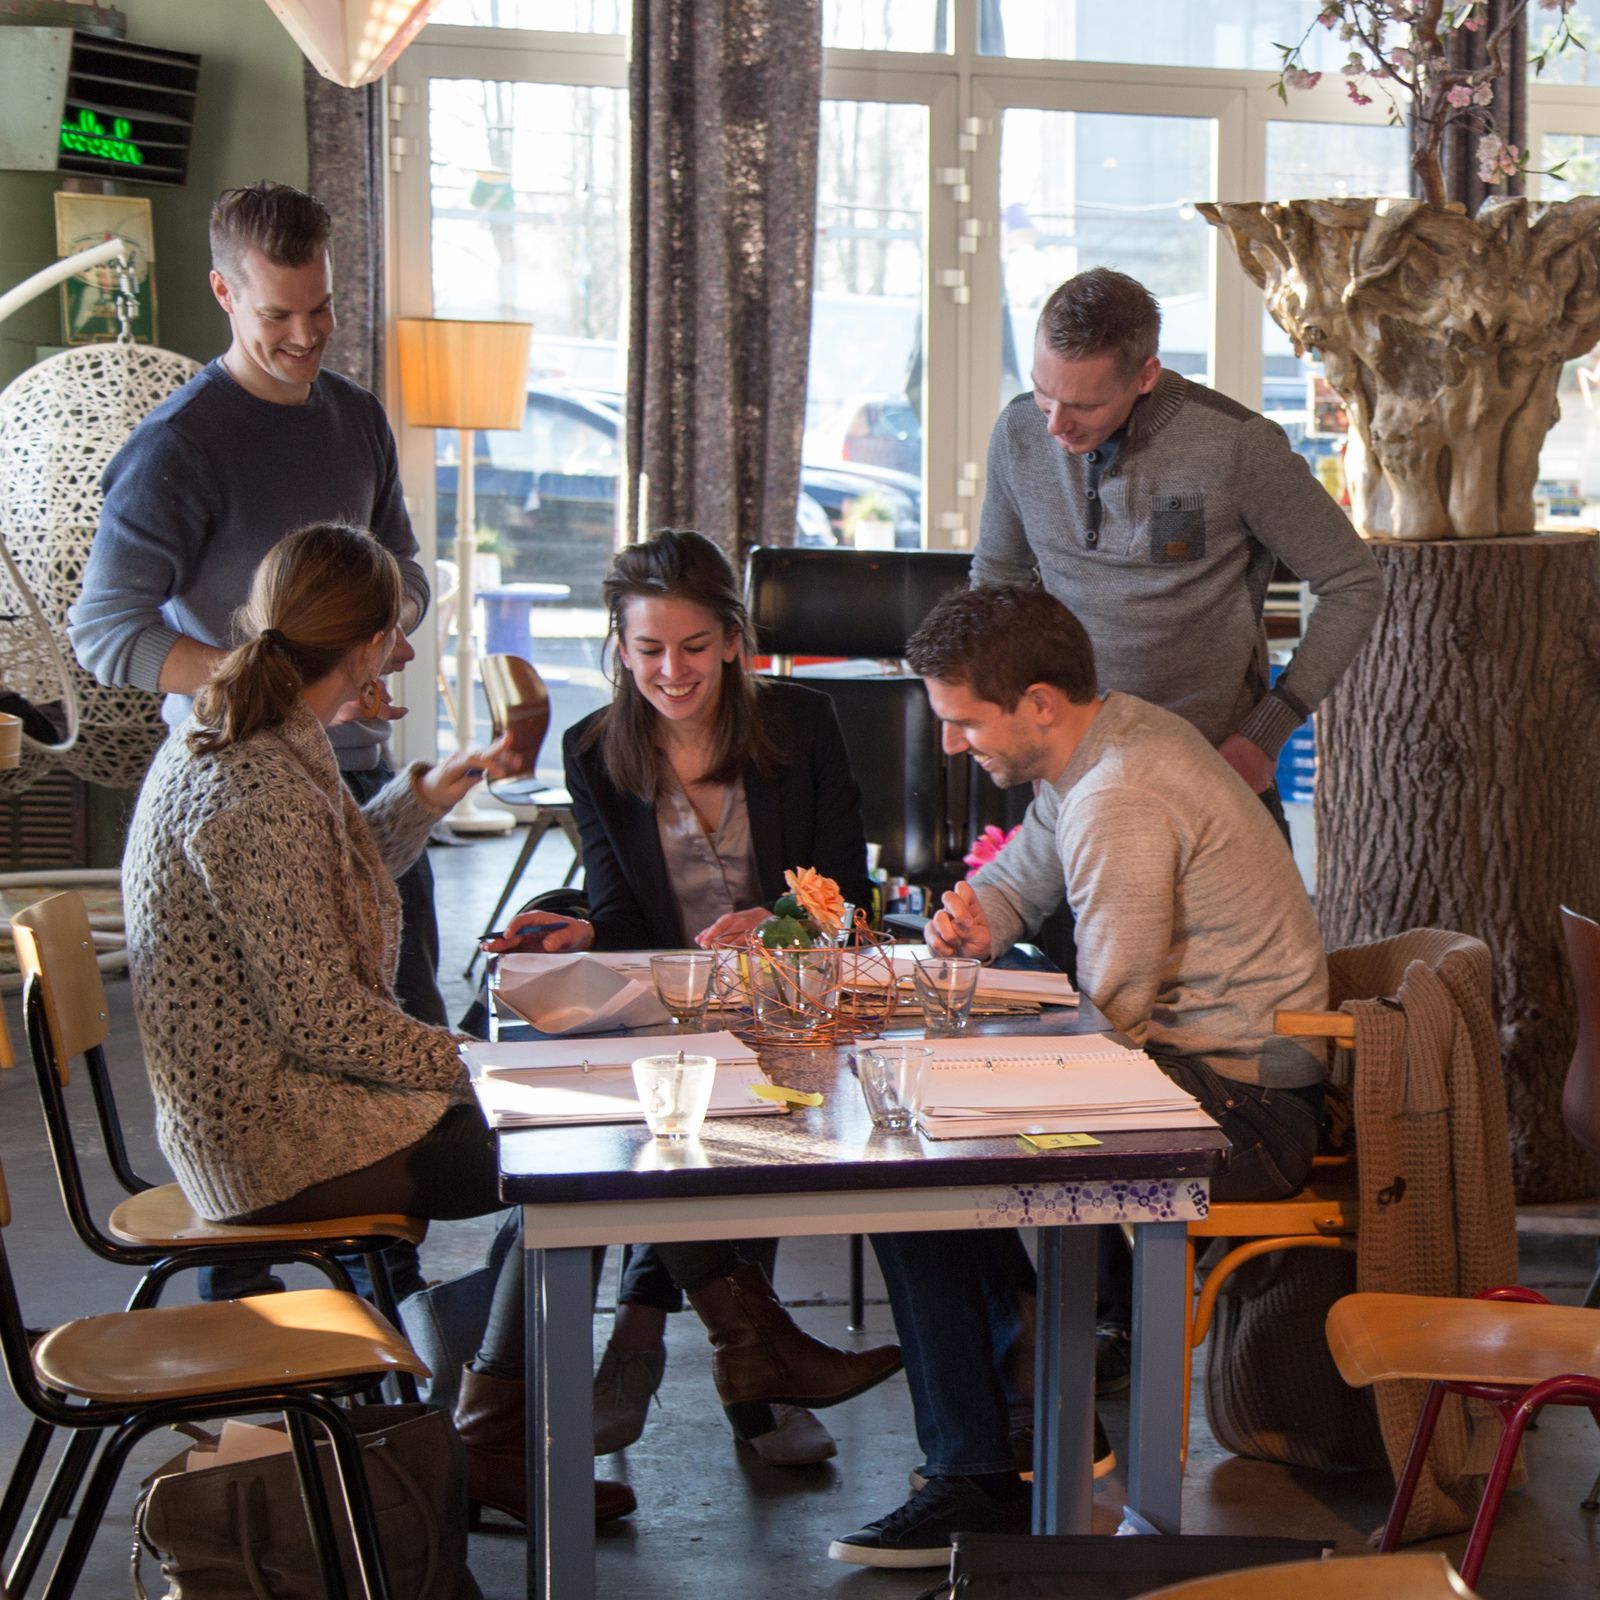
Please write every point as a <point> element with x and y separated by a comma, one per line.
<point>95,106</point>
<point>89,299</point>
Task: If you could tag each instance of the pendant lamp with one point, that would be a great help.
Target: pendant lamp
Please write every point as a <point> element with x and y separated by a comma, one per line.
<point>352,41</point>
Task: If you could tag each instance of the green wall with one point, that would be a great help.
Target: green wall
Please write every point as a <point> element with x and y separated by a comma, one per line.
<point>249,124</point>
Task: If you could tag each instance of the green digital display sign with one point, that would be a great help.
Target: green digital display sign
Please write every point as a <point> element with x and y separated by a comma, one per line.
<point>88,137</point>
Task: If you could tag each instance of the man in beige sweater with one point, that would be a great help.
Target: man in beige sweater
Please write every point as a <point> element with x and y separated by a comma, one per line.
<point>1193,928</point>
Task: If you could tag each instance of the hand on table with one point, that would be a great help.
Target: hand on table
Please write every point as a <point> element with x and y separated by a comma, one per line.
<point>444,783</point>
<point>960,928</point>
<point>523,933</point>
<point>1249,760</point>
<point>731,925</point>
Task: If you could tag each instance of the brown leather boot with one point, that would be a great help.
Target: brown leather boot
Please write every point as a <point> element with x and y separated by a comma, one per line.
<point>492,1422</point>
<point>761,1354</point>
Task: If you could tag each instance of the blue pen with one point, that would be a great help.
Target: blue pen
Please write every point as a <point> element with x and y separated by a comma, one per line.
<point>540,928</point>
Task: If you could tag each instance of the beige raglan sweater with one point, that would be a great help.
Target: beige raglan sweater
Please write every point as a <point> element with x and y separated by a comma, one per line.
<point>263,925</point>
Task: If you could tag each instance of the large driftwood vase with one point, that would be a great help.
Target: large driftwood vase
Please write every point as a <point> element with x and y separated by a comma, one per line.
<point>1445,336</point>
<point>1458,786</point>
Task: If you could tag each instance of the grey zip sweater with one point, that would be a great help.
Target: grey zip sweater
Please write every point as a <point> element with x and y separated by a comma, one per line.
<point>1170,573</point>
<point>1192,923</point>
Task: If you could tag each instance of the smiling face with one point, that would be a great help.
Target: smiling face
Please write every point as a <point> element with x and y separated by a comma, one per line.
<point>675,651</point>
<point>1085,400</point>
<point>282,319</point>
<point>1011,746</point>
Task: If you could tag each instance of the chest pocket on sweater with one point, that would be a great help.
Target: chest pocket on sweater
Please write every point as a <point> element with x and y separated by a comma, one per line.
<point>1177,528</point>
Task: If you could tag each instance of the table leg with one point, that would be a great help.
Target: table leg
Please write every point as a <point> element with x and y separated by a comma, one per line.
<point>1155,1413</point>
<point>560,1425</point>
<point>1063,1396</point>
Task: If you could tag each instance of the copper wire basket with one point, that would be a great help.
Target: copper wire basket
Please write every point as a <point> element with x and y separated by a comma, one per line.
<point>827,994</point>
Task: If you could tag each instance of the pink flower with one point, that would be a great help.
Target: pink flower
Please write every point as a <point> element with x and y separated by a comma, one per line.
<point>1496,159</point>
<point>988,845</point>
<point>1483,95</point>
<point>1329,16</point>
<point>1403,59</point>
<point>1299,78</point>
<point>1461,95</point>
<point>1357,96</point>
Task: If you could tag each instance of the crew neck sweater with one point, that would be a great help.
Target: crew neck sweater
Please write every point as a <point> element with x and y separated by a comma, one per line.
<point>1192,924</point>
<point>210,480</point>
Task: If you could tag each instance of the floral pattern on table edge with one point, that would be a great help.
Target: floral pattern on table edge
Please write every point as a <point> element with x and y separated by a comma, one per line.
<point>1072,1204</point>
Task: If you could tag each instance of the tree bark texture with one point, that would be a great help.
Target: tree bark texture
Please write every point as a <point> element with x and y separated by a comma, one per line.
<point>1458,786</point>
<point>1444,335</point>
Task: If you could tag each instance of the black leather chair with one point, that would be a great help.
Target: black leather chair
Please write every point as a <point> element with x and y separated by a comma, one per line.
<point>858,608</point>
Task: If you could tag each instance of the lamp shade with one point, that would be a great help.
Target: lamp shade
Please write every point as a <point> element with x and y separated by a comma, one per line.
<point>463,374</point>
<point>352,41</point>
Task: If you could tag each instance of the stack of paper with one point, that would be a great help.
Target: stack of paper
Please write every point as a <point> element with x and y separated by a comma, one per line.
<point>988,1087</point>
<point>540,1084</point>
<point>994,983</point>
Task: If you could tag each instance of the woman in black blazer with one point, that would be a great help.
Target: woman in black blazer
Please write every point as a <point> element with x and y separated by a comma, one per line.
<point>694,791</point>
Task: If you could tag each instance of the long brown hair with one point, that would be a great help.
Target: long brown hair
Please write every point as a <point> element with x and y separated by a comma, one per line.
<point>678,564</point>
<point>316,595</point>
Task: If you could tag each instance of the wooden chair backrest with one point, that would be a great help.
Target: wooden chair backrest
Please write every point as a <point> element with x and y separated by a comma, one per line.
<point>55,950</point>
<point>518,701</point>
<point>1580,1098</point>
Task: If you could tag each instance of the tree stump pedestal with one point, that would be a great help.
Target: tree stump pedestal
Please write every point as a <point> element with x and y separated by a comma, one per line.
<point>1458,786</point>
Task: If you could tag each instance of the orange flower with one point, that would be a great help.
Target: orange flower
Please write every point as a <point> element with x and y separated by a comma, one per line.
<point>818,896</point>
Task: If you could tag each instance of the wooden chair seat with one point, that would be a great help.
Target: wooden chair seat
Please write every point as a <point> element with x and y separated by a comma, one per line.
<point>1413,1576</point>
<point>267,1342</point>
<point>162,1219</point>
<point>1374,1337</point>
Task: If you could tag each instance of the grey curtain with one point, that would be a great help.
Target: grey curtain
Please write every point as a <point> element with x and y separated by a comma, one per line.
<point>724,104</point>
<point>344,137</point>
<point>1508,116</point>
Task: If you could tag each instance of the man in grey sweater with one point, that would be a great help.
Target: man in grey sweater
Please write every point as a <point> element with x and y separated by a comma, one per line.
<point>1157,509</point>
<point>1193,928</point>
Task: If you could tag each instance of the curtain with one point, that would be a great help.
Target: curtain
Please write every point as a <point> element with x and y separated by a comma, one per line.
<point>344,142</point>
<point>724,105</point>
<point>1508,116</point>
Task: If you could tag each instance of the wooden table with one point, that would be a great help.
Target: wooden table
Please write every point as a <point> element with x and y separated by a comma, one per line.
<point>826,1170</point>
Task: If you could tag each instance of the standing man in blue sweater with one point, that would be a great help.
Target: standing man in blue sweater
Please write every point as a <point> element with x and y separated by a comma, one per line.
<point>259,443</point>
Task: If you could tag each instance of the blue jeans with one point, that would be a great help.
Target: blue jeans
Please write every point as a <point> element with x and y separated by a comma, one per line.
<point>954,1295</point>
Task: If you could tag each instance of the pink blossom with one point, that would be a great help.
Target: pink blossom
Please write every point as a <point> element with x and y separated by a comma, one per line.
<point>1354,91</point>
<point>1403,59</point>
<point>1563,6</point>
<point>1496,159</point>
<point>1329,16</point>
<point>1299,78</point>
<point>1461,95</point>
<point>988,845</point>
<point>1483,95</point>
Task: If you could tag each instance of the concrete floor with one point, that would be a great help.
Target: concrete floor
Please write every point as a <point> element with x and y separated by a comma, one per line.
<point>712,1518</point>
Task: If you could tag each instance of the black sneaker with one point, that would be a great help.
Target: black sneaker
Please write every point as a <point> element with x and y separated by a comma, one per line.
<point>1021,1440</point>
<point>1113,1359</point>
<point>919,1533</point>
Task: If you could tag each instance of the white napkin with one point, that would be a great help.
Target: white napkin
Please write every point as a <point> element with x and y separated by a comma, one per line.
<point>569,994</point>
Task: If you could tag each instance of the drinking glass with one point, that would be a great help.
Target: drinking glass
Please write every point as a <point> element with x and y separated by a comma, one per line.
<point>683,984</point>
<point>891,1082</point>
<point>945,986</point>
<point>674,1091</point>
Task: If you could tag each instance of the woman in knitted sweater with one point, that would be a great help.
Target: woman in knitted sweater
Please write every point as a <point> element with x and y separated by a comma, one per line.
<point>263,928</point>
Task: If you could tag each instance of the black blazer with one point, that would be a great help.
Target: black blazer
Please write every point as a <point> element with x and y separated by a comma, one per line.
<point>806,814</point>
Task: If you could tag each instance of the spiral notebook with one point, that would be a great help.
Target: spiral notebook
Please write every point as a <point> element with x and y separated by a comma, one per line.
<point>991,1086</point>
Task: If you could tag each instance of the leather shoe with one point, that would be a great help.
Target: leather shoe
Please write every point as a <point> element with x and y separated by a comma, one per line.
<point>797,1438</point>
<point>623,1388</point>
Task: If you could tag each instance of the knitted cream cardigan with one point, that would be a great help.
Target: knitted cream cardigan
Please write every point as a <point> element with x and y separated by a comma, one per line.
<point>263,927</point>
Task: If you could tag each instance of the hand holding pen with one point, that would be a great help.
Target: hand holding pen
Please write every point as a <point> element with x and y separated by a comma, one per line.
<point>539,930</point>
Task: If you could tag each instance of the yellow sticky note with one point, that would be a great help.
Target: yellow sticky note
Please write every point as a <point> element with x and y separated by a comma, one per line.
<point>785,1095</point>
<point>1059,1141</point>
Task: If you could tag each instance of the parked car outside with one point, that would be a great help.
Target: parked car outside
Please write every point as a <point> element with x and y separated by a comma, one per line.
<point>547,492</point>
<point>873,430</point>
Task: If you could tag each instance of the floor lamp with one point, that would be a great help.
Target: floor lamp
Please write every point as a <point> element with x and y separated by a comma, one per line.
<point>465,375</point>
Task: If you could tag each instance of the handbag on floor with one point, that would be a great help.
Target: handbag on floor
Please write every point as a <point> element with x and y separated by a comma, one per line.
<point>238,1531</point>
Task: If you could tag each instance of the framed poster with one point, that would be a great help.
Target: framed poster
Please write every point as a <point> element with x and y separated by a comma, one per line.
<point>88,299</point>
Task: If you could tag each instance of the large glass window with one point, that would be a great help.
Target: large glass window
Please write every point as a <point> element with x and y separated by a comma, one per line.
<point>554,16</point>
<point>1178,33</point>
<point>921,25</point>
<point>528,187</point>
<point>867,381</point>
<point>1080,190</point>
<point>1569,66</point>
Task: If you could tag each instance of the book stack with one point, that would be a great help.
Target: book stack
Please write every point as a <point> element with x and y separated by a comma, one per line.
<point>995,1086</point>
<point>540,1084</point>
